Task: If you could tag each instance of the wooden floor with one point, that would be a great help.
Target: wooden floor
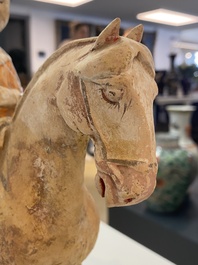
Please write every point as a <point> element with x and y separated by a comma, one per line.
<point>90,172</point>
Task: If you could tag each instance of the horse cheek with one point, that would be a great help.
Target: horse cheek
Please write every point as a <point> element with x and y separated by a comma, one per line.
<point>71,105</point>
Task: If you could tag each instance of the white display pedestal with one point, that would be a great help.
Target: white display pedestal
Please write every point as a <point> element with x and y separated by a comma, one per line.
<point>114,248</point>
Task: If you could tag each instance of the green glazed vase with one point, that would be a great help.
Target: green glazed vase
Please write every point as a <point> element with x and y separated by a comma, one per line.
<point>175,170</point>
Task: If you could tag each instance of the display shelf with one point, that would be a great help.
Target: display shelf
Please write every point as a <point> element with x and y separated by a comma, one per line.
<point>169,100</point>
<point>174,236</point>
<point>115,248</point>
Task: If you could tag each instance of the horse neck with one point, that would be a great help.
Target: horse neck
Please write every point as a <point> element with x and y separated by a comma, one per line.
<point>53,162</point>
<point>39,132</point>
<point>37,112</point>
<point>45,136</point>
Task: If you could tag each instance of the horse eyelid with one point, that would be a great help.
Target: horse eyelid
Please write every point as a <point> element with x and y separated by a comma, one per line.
<point>103,94</point>
<point>107,100</point>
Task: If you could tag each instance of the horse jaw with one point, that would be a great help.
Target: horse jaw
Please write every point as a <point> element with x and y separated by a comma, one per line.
<point>123,185</point>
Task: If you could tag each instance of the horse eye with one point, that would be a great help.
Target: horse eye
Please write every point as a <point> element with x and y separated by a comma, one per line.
<point>112,95</point>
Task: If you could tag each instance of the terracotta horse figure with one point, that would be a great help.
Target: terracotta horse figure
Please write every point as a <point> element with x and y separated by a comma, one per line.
<point>101,87</point>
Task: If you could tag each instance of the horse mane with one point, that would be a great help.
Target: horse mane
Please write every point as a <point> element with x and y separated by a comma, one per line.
<point>7,121</point>
<point>55,56</point>
<point>58,53</point>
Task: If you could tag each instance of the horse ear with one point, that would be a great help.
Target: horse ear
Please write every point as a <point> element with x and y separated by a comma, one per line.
<point>136,33</point>
<point>109,35</point>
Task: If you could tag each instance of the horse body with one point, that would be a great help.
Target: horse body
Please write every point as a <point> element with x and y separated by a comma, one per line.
<point>43,191</point>
<point>47,217</point>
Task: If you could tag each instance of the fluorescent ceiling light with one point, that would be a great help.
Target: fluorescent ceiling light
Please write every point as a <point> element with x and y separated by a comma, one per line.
<point>185,45</point>
<point>71,3</point>
<point>167,17</point>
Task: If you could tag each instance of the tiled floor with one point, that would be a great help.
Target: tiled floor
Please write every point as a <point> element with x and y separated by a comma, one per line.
<point>90,172</point>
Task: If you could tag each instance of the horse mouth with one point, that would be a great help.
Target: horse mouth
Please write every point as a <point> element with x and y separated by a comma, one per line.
<point>125,186</point>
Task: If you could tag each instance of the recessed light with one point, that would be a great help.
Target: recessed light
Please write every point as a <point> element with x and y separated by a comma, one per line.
<point>168,17</point>
<point>71,3</point>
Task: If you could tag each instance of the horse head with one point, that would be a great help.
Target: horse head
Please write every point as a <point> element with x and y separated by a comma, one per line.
<point>110,98</point>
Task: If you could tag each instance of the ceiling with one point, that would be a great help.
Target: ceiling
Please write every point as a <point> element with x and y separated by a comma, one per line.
<point>125,9</point>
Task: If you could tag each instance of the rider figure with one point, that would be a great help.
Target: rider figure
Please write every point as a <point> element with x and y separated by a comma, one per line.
<point>10,86</point>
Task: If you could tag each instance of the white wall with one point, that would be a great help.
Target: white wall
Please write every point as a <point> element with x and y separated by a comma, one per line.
<point>41,32</point>
<point>190,35</point>
<point>163,47</point>
<point>42,39</point>
<point>43,35</point>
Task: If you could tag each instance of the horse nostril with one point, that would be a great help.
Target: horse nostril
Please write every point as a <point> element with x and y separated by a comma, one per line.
<point>102,185</point>
<point>128,200</point>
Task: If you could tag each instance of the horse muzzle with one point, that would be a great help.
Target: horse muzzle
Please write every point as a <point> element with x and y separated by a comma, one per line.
<point>123,184</point>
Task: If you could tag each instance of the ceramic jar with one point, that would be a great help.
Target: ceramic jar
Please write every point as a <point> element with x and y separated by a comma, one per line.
<point>179,125</point>
<point>175,166</point>
<point>172,82</point>
<point>179,120</point>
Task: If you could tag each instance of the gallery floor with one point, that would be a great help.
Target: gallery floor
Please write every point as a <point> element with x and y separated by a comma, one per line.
<point>90,172</point>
